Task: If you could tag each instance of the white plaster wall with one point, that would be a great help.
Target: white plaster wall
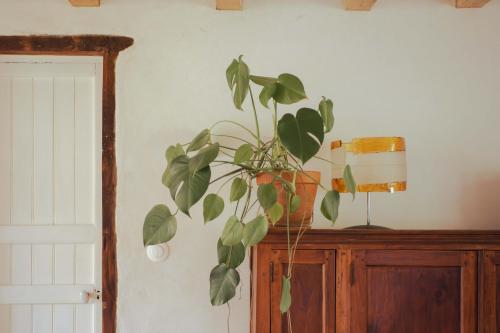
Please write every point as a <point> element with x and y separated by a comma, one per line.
<point>418,69</point>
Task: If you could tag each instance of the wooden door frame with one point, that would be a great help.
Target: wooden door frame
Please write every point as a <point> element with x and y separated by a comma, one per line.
<point>108,47</point>
<point>490,261</point>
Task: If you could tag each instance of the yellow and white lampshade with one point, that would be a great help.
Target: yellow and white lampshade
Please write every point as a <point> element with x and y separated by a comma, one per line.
<point>378,164</point>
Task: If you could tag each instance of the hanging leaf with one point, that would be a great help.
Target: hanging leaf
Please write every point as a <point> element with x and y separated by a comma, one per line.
<point>159,227</point>
<point>286,295</point>
<point>302,135</point>
<point>203,158</point>
<point>255,231</point>
<point>192,190</point>
<point>267,93</point>
<point>275,213</point>
<point>267,195</point>
<point>182,166</point>
<point>326,111</point>
<point>199,141</point>
<point>233,232</point>
<point>289,89</point>
<point>243,154</point>
<point>238,78</point>
<point>263,80</point>
<point>231,73</point>
<point>232,256</point>
<point>176,171</point>
<point>238,189</point>
<point>213,205</point>
<point>223,283</point>
<point>330,205</point>
<point>173,152</point>
<point>188,178</point>
<point>349,181</point>
<point>294,204</point>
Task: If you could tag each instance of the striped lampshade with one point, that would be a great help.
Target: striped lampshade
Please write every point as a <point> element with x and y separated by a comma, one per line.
<point>378,164</point>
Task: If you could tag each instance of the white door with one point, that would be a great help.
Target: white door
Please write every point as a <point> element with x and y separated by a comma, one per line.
<point>50,194</point>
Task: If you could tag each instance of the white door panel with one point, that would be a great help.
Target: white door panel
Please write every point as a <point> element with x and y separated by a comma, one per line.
<point>50,194</point>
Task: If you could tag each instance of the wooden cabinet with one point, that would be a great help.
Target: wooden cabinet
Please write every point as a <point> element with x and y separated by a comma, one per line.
<point>353,281</point>
<point>490,292</point>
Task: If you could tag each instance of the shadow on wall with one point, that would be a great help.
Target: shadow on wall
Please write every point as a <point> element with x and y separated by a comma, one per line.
<point>480,202</point>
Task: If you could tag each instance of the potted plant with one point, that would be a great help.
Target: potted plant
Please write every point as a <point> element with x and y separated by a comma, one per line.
<point>268,185</point>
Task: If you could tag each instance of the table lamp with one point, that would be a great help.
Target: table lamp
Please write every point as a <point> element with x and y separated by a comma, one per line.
<point>378,164</point>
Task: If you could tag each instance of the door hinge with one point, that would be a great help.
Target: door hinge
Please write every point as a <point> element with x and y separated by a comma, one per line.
<point>271,268</point>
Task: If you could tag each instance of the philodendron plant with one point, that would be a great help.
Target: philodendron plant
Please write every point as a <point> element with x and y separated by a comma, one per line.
<point>296,139</point>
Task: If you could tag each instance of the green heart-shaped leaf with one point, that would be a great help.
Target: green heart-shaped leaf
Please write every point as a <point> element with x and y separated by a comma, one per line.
<point>188,178</point>
<point>160,226</point>
<point>231,73</point>
<point>267,93</point>
<point>267,195</point>
<point>199,141</point>
<point>294,204</point>
<point>176,171</point>
<point>255,231</point>
<point>263,80</point>
<point>350,183</point>
<point>192,189</point>
<point>289,89</point>
<point>330,205</point>
<point>302,135</point>
<point>173,152</point>
<point>275,213</point>
<point>204,157</point>
<point>238,79</point>
<point>213,205</point>
<point>232,256</point>
<point>233,232</point>
<point>286,295</point>
<point>238,189</point>
<point>223,283</point>
<point>243,154</point>
<point>326,111</point>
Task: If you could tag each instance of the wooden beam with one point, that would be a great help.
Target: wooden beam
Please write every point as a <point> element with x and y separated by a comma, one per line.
<point>358,4</point>
<point>85,3</point>
<point>229,4</point>
<point>470,3</point>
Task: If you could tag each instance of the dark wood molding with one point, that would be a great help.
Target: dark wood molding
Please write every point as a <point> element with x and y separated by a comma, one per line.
<point>108,47</point>
<point>390,237</point>
<point>81,44</point>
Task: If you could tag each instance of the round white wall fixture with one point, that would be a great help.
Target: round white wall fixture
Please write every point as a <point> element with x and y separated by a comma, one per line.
<point>158,253</point>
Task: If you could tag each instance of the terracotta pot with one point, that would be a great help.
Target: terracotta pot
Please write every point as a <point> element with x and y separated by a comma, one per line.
<point>306,185</point>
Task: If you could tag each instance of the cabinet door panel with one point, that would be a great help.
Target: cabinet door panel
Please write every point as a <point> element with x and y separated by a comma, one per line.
<point>313,281</point>
<point>413,291</point>
<point>490,313</point>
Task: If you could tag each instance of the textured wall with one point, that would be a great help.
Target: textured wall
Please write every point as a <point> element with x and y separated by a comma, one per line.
<point>418,69</point>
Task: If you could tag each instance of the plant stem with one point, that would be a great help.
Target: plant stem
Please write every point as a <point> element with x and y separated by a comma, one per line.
<point>239,125</point>
<point>225,182</point>
<point>324,159</point>
<point>257,127</point>
<point>225,175</point>
<point>233,137</point>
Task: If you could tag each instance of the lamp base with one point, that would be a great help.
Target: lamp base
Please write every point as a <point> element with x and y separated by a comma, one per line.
<point>367,227</point>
